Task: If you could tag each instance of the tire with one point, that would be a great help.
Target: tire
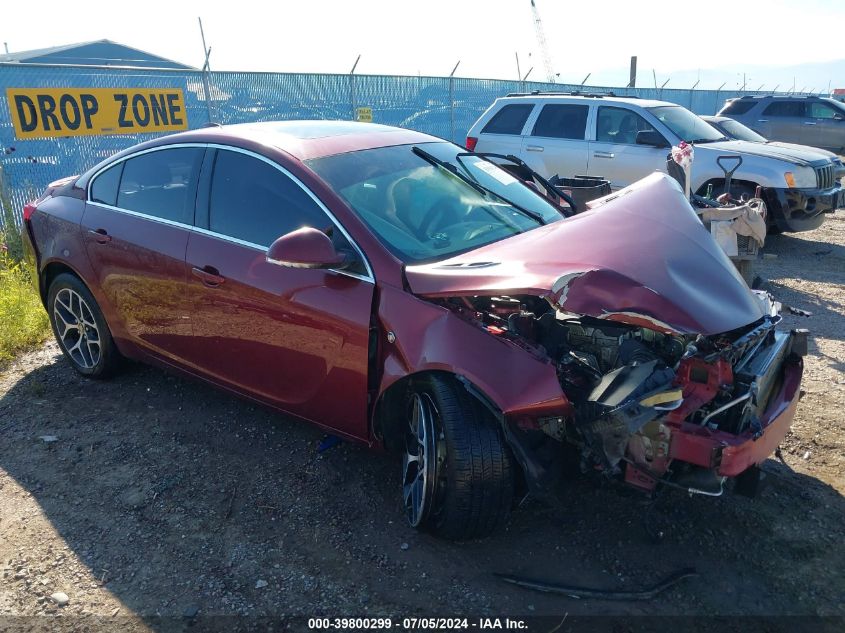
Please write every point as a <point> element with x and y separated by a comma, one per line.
<point>468,487</point>
<point>71,305</point>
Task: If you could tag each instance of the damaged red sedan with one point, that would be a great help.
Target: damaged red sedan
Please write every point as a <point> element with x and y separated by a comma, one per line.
<point>401,292</point>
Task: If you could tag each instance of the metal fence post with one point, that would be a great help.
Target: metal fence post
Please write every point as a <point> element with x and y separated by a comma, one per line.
<point>452,102</point>
<point>352,89</point>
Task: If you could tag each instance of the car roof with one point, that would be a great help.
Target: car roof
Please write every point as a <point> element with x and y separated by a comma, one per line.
<point>609,99</point>
<point>309,139</point>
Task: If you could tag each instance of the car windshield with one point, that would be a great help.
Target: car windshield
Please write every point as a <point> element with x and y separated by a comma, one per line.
<point>425,203</point>
<point>737,130</point>
<point>686,126</point>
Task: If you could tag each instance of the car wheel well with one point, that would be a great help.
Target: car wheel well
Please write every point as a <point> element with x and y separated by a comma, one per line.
<point>50,272</point>
<point>387,416</point>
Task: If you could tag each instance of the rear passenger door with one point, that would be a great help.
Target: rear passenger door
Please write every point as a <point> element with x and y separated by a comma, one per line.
<point>615,155</point>
<point>785,121</point>
<point>556,144</point>
<point>503,132</point>
<point>136,225</point>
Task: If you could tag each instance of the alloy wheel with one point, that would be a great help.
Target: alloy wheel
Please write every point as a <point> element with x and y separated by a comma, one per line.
<point>419,462</point>
<point>76,328</point>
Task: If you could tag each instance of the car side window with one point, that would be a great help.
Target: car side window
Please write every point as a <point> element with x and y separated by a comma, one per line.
<point>738,106</point>
<point>509,120</point>
<point>820,110</point>
<point>253,201</point>
<point>562,120</point>
<point>104,187</point>
<point>162,183</point>
<point>619,125</point>
<point>785,108</point>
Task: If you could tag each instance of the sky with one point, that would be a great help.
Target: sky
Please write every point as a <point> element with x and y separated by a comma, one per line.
<point>773,41</point>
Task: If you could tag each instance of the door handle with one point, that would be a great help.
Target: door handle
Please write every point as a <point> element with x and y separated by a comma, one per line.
<point>101,236</point>
<point>533,148</point>
<point>209,275</point>
<point>603,154</point>
<point>762,120</point>
<point>809,122</point>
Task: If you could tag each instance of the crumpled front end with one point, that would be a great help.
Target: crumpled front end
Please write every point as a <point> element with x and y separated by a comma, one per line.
<point>648,405</point>
<point>673,369</point>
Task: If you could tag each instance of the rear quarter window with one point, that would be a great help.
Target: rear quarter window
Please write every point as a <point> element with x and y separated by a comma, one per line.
<point>509,120</point>
<point>104,187</point>
<point>738,107</point>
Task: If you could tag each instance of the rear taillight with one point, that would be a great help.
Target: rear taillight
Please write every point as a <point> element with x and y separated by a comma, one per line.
<point>472,141</point>
<point>28,210</point>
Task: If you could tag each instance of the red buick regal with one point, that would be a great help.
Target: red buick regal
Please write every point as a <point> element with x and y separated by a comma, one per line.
<point>401,292</point>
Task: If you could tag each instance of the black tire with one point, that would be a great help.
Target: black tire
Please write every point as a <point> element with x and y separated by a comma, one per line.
<point>472,488</point>
<point>63,308</point>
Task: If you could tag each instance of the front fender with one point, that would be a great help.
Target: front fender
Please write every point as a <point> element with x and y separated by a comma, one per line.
<point>429,337</point>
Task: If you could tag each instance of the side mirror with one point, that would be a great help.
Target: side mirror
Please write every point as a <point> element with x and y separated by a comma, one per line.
<point>652,138</point>
<point>305,248</point>
<point>839,117</point>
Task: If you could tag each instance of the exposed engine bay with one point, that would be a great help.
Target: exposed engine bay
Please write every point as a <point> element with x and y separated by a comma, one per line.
<point>631,386</point>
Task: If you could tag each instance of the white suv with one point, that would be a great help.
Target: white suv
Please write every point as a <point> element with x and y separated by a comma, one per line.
<point>624,139</point>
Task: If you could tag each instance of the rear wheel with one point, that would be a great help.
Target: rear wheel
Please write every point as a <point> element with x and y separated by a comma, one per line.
<point>80,328</point>
<point>458,476</point>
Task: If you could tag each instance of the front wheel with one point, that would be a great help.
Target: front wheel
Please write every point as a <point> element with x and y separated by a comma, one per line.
<point>80,328</point>
<point>458,475</point>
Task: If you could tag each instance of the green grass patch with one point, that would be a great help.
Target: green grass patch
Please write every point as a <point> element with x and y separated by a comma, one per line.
<point>23,320</point>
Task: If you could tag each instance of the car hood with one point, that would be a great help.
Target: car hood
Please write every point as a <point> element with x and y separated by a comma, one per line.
<point>818,152</point>
<point>643,258</point>
<point>797,154</point>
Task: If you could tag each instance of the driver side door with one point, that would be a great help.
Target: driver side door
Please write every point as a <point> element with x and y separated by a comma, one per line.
<point>295,338</point>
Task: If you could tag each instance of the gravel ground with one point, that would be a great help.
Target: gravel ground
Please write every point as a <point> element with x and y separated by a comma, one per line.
<point>150,495</point>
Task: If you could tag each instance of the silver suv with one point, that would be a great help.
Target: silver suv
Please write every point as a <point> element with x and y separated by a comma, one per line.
<point>624,139</point>
<point>814,121</point>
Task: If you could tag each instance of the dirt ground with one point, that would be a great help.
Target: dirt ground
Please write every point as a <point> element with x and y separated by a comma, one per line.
<point>162,497</point>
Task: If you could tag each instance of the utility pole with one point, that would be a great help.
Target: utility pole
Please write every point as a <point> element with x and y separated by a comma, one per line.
<point>632,76</point>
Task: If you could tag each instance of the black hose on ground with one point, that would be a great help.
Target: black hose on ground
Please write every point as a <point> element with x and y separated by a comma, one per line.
<point>600,594</point>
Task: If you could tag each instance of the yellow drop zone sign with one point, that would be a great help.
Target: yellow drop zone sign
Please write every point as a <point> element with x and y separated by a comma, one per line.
<point>50,112</point>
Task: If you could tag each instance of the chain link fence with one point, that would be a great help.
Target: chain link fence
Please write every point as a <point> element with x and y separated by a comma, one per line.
<point>441,106</point>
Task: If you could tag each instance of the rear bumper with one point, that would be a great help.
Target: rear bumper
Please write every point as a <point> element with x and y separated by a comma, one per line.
<point>729,455</point>
<point>794,210</point>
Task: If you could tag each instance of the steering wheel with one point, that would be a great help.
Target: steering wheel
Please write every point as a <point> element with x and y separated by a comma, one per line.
<point>443,206</point>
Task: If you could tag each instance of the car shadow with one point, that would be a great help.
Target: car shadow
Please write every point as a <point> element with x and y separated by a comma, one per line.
<point>181,502</point>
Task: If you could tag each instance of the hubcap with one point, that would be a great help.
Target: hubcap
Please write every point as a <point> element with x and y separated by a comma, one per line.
<point>419,461</point>
<point>76,328</point>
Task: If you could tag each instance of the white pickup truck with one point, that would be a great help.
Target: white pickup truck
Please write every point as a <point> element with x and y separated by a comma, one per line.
<point>624,139</point>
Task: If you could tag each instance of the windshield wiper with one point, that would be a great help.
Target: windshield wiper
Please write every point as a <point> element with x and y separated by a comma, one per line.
<point>448,167</point>
<point>452,169</point>
<point>709,140</point>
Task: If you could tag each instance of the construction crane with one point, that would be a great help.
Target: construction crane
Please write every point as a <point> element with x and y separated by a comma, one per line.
<point>541,40</point>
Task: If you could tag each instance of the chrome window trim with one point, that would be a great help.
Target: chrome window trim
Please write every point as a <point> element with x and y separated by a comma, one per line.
<point>144,216</point>
<point>370,276</point>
